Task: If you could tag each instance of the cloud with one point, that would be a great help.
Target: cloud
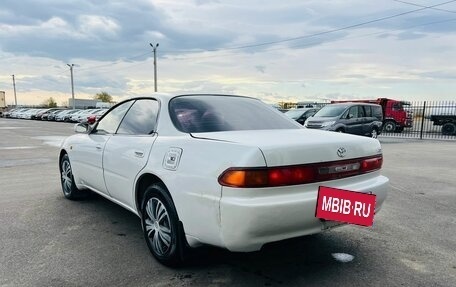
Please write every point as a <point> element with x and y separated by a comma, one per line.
<point>445,75</point>
<point>409,56</point>
<point>260,68</point>
<point>96,26</point>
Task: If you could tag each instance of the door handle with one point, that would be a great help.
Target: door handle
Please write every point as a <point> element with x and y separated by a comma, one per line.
<point>98,147</point>
<point>139,153</point>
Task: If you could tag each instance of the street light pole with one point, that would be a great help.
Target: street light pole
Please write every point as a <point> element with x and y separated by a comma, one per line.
<point>155,64</point>
<point>14,87</point>
<point>72,84</point>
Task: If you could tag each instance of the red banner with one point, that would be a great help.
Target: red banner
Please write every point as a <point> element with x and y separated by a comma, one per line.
<point>345,206</point>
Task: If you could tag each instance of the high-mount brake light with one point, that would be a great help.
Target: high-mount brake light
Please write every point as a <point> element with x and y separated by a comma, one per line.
<point>298,174</point>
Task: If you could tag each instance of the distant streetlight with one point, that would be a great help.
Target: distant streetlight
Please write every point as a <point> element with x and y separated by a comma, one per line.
<point>72,84</point>
<point>14,86</point>
<point>155,64</point>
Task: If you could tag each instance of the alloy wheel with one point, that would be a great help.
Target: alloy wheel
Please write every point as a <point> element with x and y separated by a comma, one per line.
<point>158,226</point>
<point>66,177</point>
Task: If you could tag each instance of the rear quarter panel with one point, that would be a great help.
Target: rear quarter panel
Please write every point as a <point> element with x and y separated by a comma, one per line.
<point>194,186</point>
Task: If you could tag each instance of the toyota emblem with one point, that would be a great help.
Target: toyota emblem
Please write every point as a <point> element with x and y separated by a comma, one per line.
<point>341,152</point>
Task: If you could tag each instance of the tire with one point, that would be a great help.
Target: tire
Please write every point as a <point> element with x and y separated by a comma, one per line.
<point>399,129</point>
<point>374,133</point>
<point>449,129</point>
<point>340,131</point>
<point>164,237</point>
<point>389,126</point>
<point>70,191</point>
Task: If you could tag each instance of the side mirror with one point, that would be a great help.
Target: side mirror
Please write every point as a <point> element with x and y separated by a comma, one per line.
<point>81,128</point>
<point>350,116</point>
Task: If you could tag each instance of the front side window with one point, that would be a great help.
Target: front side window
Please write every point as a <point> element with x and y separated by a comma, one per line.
<point>212,113</point>
<point>140,119</point>
<point>397,107</point>
<point>110,122</point>
<point>331,111</point>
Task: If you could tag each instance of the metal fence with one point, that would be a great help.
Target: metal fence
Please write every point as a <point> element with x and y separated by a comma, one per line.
<point>430,120</point>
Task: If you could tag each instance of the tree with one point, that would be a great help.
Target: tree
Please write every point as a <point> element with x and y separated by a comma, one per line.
<point>50,103</point>
<point>104,97</point>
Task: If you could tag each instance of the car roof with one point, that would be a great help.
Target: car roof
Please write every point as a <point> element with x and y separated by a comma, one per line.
<point>301,109</point>
<point>164,98</point>
<point>349,104</point>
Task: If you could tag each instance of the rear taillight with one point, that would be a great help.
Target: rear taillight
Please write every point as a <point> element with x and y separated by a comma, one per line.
<point>298,174</point>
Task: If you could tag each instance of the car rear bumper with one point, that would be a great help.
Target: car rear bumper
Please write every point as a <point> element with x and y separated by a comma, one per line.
<point>251,218</point>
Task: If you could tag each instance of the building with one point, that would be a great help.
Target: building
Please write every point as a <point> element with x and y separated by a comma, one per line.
<point>2,100</point>
<point>82,103</point>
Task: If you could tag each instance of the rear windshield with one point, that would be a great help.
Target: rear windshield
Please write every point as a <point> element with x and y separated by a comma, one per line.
<point>331,111</point>
<point>207,113</point>
<point>295,114</point>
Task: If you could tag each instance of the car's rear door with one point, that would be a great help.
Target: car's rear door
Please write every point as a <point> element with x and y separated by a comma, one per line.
<point>127,151</point>
<point>363,121</point>
<point>369,120</point>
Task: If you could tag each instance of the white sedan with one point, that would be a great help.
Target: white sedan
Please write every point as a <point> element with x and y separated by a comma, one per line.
<point>227,171</point>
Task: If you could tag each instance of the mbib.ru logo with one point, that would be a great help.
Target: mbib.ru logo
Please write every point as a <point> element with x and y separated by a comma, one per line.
<point>345,206</point>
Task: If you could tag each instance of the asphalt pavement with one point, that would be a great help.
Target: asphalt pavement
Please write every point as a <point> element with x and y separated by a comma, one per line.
<point>46,240</point>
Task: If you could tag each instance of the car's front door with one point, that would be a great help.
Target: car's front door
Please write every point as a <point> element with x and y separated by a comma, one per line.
<point>90,152</point>
<point>353,122</point>
<point>127,151</point>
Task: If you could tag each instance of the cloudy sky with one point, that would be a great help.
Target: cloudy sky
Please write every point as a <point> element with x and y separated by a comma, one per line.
<point>290,50</point>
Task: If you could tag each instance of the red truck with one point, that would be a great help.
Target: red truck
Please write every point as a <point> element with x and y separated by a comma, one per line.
<point>395,117</point>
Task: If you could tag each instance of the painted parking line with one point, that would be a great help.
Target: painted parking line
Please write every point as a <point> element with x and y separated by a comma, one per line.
<point>17,147</point>
<point>55,141</point>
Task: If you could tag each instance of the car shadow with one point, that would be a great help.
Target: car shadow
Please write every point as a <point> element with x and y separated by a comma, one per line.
<point>285,262</point>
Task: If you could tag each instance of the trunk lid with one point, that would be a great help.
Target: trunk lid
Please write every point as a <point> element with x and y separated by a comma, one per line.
<point>299,146</point>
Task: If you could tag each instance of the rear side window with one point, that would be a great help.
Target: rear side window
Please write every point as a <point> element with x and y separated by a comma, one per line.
<point>368,111</point>
<point>361,113</point>
<point>140,119</point>
<point>353,112</point>
<point>377,112</point>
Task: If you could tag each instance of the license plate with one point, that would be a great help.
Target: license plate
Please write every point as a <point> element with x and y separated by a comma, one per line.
<point>345,206</point>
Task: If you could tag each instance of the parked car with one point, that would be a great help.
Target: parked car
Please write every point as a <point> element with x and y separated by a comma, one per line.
<point>95,116</point>
<point>82,117</point>
<point>38,114</point>
<point>45,115</point>
<point>301,115</point>
<point>227,171</point>
<point>17,112</point>
<point>353,118</point>
<point>397,115</point>
<point>7,114</point>
<point>447,122</point>
<point>74,118</point>
<point>28,114</point>
<point>52,115</point>
<point>62,117</point>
